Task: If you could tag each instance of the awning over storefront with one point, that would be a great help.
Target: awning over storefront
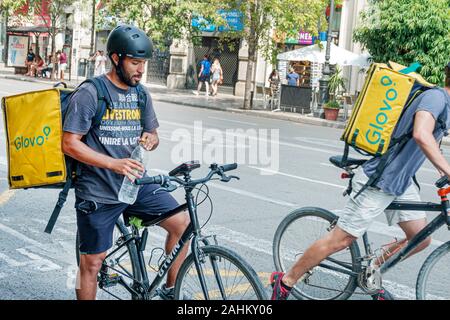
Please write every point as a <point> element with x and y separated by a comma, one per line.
<point>316,53</point>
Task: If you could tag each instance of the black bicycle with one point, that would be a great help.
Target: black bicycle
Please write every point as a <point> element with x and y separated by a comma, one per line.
<point>210,271</point>
<point>338,276</point>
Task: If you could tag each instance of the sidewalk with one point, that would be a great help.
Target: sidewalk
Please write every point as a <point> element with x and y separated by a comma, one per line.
<point>222,102</point>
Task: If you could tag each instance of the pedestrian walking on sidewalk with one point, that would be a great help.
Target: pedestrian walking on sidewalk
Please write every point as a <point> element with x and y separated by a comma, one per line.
<point>62,64</point>
<point>204,75</point>
<point>217,76</point>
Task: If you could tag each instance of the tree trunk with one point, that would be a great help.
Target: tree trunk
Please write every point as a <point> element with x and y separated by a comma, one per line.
<point>53,35</point>
<point>4,57</point>
<point>253,38</point>
<point>249,75</point>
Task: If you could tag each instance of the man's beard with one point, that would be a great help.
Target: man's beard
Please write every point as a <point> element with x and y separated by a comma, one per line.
<point>125,77</point>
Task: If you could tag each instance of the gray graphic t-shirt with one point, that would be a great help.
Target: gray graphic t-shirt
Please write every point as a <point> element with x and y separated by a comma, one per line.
<point>403,164</point>
<point>117,135</point>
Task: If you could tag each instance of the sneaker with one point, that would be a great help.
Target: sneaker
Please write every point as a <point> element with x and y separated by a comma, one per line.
<point>166,293</point>
<point>169,293</point>
<point>195,92</point>
<point>279,292</point>
<point>382,294</point>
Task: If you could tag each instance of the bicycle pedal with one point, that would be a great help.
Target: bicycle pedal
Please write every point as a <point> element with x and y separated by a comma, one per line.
<point>110,280</point>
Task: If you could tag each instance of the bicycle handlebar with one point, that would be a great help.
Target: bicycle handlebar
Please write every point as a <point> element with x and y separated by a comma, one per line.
<point>150,180</point>
<point>442,182</point>
<point>228,167</point>
<point>165,180</point>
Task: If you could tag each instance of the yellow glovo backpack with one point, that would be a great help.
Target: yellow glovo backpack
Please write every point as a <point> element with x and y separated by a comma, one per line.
<point>387,92</point>
<point>33,125</point>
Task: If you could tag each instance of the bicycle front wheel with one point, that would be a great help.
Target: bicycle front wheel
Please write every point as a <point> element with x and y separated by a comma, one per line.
<point>227,277</point>
<point>433,282</point>
<point>335,278</point>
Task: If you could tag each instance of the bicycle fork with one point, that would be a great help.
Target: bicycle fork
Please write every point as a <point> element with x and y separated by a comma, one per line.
<point>199,258</point>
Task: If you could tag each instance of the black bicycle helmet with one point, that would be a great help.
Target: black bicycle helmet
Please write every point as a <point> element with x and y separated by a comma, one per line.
<point>127,40</point>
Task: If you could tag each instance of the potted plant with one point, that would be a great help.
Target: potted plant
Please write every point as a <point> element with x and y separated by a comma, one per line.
<point>331,109</point>
<point>336,85</point>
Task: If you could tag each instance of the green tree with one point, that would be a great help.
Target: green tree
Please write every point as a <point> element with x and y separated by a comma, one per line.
<point>406,31</point>
<point>162,20</point>
<point>268,22</point>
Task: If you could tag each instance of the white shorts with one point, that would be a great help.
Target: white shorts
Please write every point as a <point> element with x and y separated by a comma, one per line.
<point>359,213</point>
<point>63,66</point>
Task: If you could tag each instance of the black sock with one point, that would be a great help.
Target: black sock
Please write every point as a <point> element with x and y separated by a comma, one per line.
<point>285,285</point>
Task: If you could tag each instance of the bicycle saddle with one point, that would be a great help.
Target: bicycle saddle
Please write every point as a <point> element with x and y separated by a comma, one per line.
<point>151,220</point>
<point>337,161</point>
<point>185,168</point>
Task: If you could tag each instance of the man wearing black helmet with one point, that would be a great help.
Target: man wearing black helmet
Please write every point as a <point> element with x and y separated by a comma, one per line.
<point>104,151</point>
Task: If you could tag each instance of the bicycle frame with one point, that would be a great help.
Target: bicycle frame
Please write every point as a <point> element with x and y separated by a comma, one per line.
<point>430,228</point>
<point>192,232</point>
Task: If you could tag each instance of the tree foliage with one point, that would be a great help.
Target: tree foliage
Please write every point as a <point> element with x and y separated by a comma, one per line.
<point>9,6</point>
<point>162,20</point>
<point>406,31</point>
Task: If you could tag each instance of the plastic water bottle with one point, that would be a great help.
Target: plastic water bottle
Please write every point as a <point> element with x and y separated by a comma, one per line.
<point>129,191</point>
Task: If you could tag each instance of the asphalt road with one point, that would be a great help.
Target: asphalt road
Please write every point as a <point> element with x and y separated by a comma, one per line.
<point>275,179</point>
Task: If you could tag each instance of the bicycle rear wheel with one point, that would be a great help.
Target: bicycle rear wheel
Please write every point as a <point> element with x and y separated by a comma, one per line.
<point>433,281</point>
<point>227,277</point>
<point>335,278</point>
<point>119,270</point>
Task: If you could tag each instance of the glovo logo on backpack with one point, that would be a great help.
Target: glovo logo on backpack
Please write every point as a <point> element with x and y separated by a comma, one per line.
<point>22,142</point>
<point>378,109</point>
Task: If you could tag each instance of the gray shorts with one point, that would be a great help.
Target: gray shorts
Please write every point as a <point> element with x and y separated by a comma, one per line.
<point>359,213</point>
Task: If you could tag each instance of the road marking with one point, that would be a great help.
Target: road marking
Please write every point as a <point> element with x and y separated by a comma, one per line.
<point>235,121</point>
<point>6,196</point>
<point>286,144</point>
<point>39,262</point>
<point>243,193</point>
<point>53,254</point>
<point>298,177</point>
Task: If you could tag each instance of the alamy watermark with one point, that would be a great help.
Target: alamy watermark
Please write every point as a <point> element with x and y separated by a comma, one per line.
<point>257,147</point>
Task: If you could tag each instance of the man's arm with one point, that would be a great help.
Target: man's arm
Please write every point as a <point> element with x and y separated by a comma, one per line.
<point>75,148</point>
<point>424,124</point>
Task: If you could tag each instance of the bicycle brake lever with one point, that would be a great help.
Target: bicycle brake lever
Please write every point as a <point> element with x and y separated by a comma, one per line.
<point>228,178</point>
<point>166,187</point>
<point>156,191</point>
<point>171,188</point>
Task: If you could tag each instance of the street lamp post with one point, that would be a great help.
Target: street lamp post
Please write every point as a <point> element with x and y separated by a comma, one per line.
<point>324,95</point>
<point>90,71</point>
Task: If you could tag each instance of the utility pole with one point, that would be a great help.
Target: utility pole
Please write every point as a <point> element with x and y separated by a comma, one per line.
<point>91,63</point>
<point>324,95</point>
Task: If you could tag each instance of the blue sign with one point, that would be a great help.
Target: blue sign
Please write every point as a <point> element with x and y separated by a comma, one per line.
<point>233,20</point>
<point>202,24</point>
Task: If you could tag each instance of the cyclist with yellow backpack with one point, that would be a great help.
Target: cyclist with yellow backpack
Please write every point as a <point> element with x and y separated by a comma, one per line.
<point>427,119</point>
<point>103,152</point>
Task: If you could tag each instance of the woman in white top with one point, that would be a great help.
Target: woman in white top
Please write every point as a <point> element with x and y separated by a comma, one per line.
<point>217,76</point>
